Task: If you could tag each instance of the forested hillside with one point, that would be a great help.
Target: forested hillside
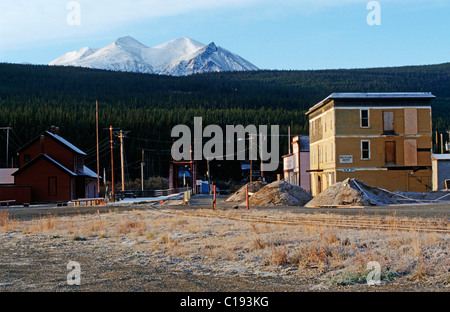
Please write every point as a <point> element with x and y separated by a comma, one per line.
<point>32,98</point>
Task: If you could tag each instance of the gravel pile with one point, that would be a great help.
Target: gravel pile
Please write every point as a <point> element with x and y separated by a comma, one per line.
<point>280,193</point>
<point>352,192</point>
<point>239,195</point>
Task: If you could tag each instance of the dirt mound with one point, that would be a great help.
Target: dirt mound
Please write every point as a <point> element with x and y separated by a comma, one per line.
<point>352,192</point>
<point>280,193</point>
<point>239,195</point>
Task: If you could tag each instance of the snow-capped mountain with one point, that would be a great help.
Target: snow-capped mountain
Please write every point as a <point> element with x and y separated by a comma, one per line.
<point>178,57</point>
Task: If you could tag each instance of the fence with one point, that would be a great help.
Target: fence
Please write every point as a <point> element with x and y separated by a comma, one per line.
<point>150,193</point>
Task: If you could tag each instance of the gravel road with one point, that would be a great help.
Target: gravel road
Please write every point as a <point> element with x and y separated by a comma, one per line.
<point>38,262</point>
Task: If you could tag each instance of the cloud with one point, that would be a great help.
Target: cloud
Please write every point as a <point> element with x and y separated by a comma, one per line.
<point>24,21</point>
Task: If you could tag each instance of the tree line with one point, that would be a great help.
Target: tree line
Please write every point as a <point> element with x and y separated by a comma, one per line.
<point>34,97</point>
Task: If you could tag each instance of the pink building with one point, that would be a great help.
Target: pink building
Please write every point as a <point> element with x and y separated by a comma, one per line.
<point>296,164</point>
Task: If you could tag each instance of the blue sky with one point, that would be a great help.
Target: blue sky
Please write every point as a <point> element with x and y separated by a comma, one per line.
<point>286,34</point>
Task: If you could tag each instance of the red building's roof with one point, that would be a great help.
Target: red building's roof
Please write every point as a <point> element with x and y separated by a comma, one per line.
<point>58,139</point>
<point>49,159</point>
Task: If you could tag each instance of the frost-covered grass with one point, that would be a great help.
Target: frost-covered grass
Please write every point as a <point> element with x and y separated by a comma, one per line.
<point>336,256</point>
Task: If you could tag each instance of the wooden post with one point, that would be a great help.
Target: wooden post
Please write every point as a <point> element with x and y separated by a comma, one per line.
<point>209,178</point>
<point>214,201</point>
<point>442,143</point>
<point>211,191</point>
<point>437,143</point>
<point>246,196</point>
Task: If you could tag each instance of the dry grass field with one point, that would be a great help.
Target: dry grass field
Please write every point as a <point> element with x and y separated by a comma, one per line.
<point>166,249</point>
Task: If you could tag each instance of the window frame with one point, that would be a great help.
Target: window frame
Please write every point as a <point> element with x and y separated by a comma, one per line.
<point>363,150</point>
<point>361,118</point>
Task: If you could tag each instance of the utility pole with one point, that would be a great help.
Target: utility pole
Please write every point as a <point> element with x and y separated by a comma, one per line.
<point>209,179</point>
<point>7,147</point>
<point>121,160</point>
<point>142,172</point>
<point>251,157</point>
<point>98,159</point>
<point>112,162</point>
<point>261,154</point>
<point>121,135</point>
<point>7,144</point>
<point>289,140</point>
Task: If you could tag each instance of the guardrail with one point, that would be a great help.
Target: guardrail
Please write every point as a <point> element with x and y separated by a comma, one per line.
<point>7,202</point>
<point>150,193</point>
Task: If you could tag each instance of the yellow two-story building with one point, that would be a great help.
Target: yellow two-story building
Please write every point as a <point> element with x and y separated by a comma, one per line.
<point>382,139</point>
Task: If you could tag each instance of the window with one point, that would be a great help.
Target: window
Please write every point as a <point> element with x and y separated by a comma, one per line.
<point>365,149</point>
<point>364,118</point>
<point>388,122</point>
<point>52,189</point>
<point>26,157</point>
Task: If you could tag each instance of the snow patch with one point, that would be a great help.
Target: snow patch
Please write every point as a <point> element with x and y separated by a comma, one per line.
<point>178,57</point>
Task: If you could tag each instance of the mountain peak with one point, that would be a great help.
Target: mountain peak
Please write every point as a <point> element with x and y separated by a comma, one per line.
<point>128,41</point>
<point>178,57</point>
<point>210,48</point>
<point>184,44</point>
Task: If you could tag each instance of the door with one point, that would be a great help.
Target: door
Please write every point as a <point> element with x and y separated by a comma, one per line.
<point>390,152</point>
<point>388,122</point>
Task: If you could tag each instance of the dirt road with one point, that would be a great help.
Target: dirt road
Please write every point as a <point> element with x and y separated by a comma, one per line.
<point>164,258</point>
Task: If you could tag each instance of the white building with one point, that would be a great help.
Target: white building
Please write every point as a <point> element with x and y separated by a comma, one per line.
<point>441,171</point>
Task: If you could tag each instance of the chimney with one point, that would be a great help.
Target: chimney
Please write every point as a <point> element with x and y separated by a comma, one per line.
<point>42,144</point>
<point>54,129</point>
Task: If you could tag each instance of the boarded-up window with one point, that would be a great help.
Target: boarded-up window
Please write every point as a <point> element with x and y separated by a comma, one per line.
<point>388,122</point>
<point>52,189</point>
<point>410,153</point>
<point>390,152</point>
<point>411,120</point>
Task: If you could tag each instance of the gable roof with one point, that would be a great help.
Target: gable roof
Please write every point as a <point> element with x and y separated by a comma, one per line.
<point>88,173</point>
<point>372,96</point>
<point>66,143</point>
<point>50,160</point>
<point>58,139</point>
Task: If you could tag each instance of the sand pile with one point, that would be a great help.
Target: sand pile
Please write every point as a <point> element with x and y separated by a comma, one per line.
<point>239,195</point>
<point>352,192</point>
<point>280,193</point>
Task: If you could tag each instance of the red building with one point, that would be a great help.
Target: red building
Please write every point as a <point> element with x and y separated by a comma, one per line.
<point>54,169</point>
